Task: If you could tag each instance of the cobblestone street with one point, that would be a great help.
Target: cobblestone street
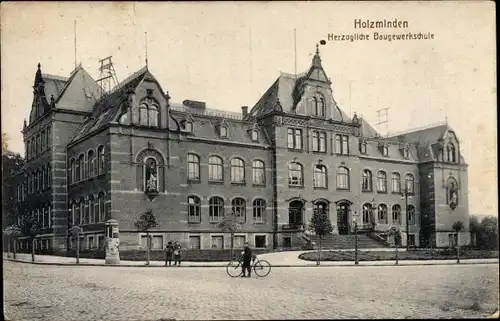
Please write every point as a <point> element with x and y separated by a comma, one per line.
<point>38,292</point>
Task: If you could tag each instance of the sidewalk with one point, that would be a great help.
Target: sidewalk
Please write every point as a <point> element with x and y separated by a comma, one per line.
<point>279,259</point>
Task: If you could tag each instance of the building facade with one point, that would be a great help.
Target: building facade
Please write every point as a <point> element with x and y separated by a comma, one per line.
<point>92,156</point>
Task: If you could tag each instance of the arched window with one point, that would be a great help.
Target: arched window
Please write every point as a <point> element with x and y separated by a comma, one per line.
<point>100,156</point>
<point>86,216</point>
<point>77,171</point>
<point>28,150</point>
<point>259,210</point>
<point>37,187</point>
<point>367,213</point>
<point>258,172</point>
<point>451,153</point>
<point>33,147</point>
<point>49,175</point>
<point>43,177</point>
<point>237,170</point>
<point>322,107</point>
<point>91,210</point>
<point>193,167</point>
<point>396,214</point>
<point>102,216</point>
<point>382,214</point>
<point>255,135</point>
<point>215,168</point>
<point>409,182</point>
<point>316,109</point>
<point>80,172</point>
<point>38,144</point>
<point>49,137</point>
<point>406,153</point>
<point>215,209</point>
<point>223,131</point>
<point>91,163</point>
<point>382,182</point>
<point>367,181</point>
<point>343,178</point>
<point>81,205</point>
<point>385,150</point>
<point>411,215</point>
<point>295,174</point>
<point>150,174</point>
<point>396,183</point>
<point>321,206</point>
<point>319,178</point>
<point>194,212</point>
<point>42,140</point>
<point>153,116</point>
<point>238,205</point>
<point>143,114</point>
<point>71,171</point>
<point>74,213</point>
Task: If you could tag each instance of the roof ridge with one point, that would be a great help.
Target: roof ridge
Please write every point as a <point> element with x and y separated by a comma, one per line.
<point>420,128</point>
<point>55,77</point>
<point>122,84</point>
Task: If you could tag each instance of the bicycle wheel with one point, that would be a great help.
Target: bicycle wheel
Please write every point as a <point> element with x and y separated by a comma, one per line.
<point>262,268</point>
<point>233,269</point>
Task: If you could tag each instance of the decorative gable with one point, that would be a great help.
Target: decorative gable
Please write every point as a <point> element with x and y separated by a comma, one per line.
<point>187,124</point>
<point>384,148</point>
<point>404,149</point>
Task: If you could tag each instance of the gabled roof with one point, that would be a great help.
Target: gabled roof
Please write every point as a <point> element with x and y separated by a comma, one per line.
<point>108,106</point>
<point>80,92</point>
<point>367,130</point>
<point>54,85</point>
<point>424,136</point>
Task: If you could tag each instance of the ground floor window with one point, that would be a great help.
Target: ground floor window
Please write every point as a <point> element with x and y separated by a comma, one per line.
<point>157,242</point>
<point>218,242</point>
<point>194,243</point>
<point>100,241</point>
<point>91,242</point>
<point>260,241</point>
<point>287,242</point>
<point>411,240</point>
<point>239,241</point>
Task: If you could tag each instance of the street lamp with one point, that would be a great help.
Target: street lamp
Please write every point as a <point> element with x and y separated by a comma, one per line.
<point>404,195</point>
<point>356,260</point>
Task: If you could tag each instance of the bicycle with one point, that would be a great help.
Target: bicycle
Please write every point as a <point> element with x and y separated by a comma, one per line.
<point>261,268</point>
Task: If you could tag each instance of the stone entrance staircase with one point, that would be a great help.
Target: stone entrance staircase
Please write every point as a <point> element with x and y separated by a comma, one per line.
<point>339,242</point>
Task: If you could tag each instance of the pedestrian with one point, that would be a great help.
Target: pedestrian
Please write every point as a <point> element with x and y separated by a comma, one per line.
<point>169,249</point>
<point>177,253</point>
<point>247,257</point>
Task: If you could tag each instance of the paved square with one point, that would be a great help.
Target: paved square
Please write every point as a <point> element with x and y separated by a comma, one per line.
<point>38,292</point>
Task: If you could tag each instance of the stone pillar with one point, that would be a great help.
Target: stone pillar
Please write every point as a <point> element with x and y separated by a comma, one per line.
<point>112,242</point>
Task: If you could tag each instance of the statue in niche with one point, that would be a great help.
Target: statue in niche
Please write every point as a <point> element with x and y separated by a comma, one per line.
<point>453,196</point>
<point>151,175</point>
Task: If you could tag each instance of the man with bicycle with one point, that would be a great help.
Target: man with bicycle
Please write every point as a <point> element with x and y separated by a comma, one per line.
<point>247,257</point>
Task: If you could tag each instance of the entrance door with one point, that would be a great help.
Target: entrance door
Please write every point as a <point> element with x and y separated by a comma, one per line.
<point>342,218</point>
<point>295,210</point>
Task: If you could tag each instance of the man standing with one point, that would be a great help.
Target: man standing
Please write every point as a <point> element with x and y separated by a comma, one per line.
<point>169,249</point>
<point>247,259</point>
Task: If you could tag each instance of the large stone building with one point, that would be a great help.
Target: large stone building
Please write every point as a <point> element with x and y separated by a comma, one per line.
<point>91,157</point>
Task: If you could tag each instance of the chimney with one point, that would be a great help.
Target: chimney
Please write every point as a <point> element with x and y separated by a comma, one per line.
<point>244,111</point>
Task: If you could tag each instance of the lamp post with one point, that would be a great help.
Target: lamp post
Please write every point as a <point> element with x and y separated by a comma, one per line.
<point>404,195</point>
<point>356,260</point>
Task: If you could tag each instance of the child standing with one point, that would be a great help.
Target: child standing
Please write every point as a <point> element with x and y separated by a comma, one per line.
<point>177,253</point>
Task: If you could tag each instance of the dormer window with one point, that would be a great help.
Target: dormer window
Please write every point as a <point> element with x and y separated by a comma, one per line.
<point>223,131</point>
<point>385,150</point>
<point>189,127</point>
<point>319,108</point>
<point>451,153</point>
<point>255,135</point>
<point>406,153</point>
<point>362,147</point>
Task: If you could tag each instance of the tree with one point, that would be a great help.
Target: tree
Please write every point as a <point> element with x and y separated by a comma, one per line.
<point>30,227</point>
<point>321,225</point>
<point>146,222</point>
<point>457,227</point>
<point>11,165</point>
<point>230,224</point>
<point>489,232</point>
<point>5,138</point>
<point>474,228</point>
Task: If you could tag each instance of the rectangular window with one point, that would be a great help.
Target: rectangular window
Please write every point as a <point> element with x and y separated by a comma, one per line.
<point>194,243</point>
<point>144,241</point>
<point>91,242</point>
<point>218,242</point>
<point>157,242</point>
<point>322,142</point>
<point>411,240</point>
<point>342,144</point>
<point>260,241</point>
<point>294,138</point>
<point>239,241</point>
<point>287,242</point>
<point>315,141</point>
<point>100,241</point>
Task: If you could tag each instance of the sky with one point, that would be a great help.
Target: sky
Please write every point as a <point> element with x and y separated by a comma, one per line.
<point>228,54</point>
